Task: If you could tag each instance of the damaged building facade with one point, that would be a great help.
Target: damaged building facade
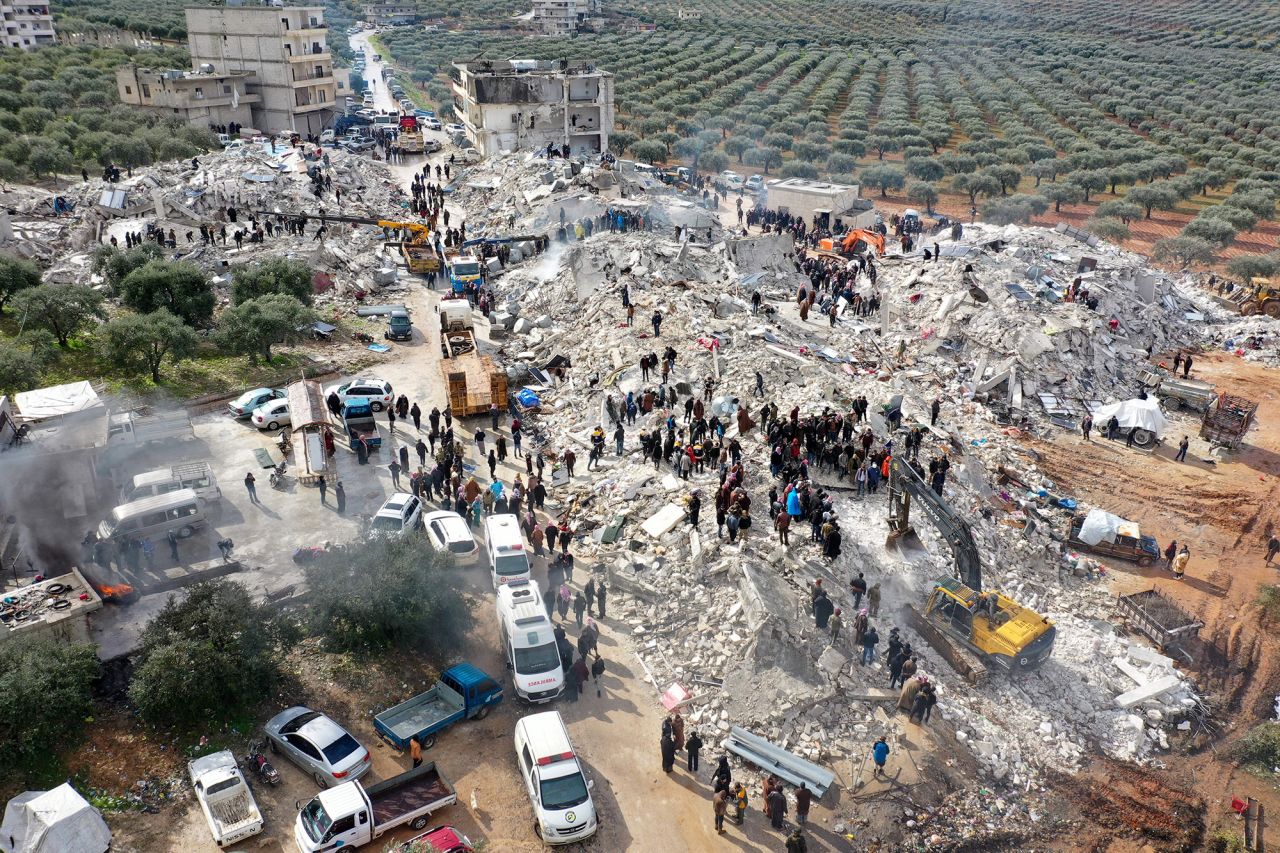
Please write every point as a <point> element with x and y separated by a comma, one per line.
<point>529,104</point>
<point>822,200</point>
<point>286,49</point>
<point>200,99</point>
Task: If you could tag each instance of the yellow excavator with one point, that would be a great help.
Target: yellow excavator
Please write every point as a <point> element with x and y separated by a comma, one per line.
<point>999,631</point>
<point>415,246</point>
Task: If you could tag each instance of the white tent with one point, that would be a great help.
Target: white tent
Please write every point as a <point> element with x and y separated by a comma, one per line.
<point>1100,525</point>
<point>1144,414</point>
<point>44,403</point>
<point>57,821</point>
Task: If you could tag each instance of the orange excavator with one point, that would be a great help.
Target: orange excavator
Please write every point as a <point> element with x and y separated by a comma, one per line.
<point>858,239</point>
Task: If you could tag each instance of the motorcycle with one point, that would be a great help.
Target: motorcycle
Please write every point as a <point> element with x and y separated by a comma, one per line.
<point>284,443</point>
<point>362,337</point>
<point>258,762</point>
<point>277,475</point>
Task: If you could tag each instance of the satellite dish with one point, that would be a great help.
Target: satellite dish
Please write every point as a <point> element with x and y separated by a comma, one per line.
<point>978,294</point>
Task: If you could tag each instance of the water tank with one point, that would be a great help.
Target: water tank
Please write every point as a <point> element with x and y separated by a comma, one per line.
<point>206,67</point>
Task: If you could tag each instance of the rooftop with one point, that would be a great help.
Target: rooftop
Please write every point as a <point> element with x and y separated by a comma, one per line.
<point>529,66</point>
<point>804,185</point>
<point>46,603</point>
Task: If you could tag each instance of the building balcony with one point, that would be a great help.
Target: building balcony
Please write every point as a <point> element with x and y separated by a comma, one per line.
<point>311,108</point>
<point>322,55</point>
<point>312,80</point>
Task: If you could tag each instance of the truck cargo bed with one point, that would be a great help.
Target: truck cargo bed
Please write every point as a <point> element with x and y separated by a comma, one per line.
<point>413,792</point>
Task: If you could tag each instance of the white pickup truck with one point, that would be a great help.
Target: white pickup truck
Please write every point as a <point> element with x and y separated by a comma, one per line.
<point>225,798</point>
<point>351,815</point>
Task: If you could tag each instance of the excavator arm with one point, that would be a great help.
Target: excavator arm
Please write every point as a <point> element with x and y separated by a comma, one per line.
<point>906,483</point>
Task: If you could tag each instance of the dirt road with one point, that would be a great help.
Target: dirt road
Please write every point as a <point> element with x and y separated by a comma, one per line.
<point>1225,511</point>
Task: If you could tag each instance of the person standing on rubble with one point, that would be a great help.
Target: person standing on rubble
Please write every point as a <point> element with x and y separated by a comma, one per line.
<point>822,610</point>
<point>1273,548</point>
<point>1186,367</point>
<point>873,599</point>
<point>1181,455</point>
<point>834,624</point>
<point>656,320</point>
<point>869,640</point>
<point>1086,425</point>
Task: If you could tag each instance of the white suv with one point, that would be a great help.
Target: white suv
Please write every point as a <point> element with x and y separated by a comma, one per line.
<point>376,392</point>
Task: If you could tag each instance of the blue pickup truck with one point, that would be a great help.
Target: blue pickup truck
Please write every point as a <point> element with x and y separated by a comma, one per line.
<point>463,691</point>
<point>357,420</point>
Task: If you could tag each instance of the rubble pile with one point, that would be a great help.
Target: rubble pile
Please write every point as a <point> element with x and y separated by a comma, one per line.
<point>728,622</point>
<point>179,197</point>
<point>979,819</point>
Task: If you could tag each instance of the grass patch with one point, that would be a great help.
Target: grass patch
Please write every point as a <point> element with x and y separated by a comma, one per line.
<point>1259,750</point>
<point>1269,601</point>
<point>1225,841</point>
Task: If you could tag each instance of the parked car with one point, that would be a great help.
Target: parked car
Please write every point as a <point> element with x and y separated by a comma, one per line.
<point>429,123</point>
<point>442,839</point>
<point>471,155</point>
<point>446,531</point>
<point>454,129</point>
<point>731,180</point>
<point>272,416</point>
<point>431,146</point>
<point>243,406</point>
<point>318,745</point>
<point>375,391</point>
<point>399,514</point>
<point>755,183</point>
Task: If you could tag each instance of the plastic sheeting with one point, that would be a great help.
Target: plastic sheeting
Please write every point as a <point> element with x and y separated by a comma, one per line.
<point>58,400</point>
<point>57,821</point>
<point>1101,526</point>
<point>1144,414</point>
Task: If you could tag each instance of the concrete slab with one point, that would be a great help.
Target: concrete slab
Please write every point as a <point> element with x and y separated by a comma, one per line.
<point>661,522</point>
<point>1147,691</point>
<point>874,694</point>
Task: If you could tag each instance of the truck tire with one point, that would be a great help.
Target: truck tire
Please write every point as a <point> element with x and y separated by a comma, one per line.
<point>1144,439</point>
<point>419,823</point>
<point>428,741</point>
<point>1144,562</point>
<point>185,532</point>
<point>483,712</point>
<point>1271,308</point>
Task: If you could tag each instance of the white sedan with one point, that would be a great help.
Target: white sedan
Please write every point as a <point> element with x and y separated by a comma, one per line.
<point>272,415</point>
<point>454,129</point>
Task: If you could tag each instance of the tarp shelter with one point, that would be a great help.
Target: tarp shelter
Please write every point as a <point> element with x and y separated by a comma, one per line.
<point>1143,414</point>
<point>57,821</point>
<point>1101,526</point>
<point>56,401</point>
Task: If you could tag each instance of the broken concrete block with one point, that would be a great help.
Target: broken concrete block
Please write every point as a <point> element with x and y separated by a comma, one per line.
<point>662,521</point>
<point>522,327</point>
<point>831,661</point>
<point>1142,654</point>
<point>1148,691</point>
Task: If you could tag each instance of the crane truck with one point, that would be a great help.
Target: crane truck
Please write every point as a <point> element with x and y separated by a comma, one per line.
<point>986,624</point>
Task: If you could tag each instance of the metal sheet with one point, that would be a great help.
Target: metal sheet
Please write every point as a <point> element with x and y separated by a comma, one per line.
<point>778,761</point>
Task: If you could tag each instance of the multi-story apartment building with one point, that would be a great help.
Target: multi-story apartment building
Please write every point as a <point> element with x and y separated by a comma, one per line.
<point>391,14</point>
<point>27,24</point>
<point>286,48</point>
<point>529,104</point>
<point>563,17</point>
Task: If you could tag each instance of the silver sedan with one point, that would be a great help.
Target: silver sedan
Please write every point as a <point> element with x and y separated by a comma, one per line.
<point>318,745</point>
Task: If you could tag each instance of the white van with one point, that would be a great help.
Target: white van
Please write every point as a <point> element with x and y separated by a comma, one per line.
<point>197,476</point>
<point>529,642</point>
<point>504,544</point>
<point>559,790</point>
<point>178,511</point>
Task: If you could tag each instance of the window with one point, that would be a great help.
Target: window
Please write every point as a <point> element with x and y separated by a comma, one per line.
<point>341,825</point>
<point>153,518</point>
<point>146,91</point>
<point>128,90</point>
<point>285,21</point>
<point>226,90</point>
<point>199,92</point>
<point>304,746</point>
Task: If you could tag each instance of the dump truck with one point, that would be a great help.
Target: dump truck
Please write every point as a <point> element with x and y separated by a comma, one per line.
<point>1227,420</point>
<point>986,624</point>
<point>409,139</point>
<point>351,815</point>
<point>464,268</point>
<point>473,381</point>
<point>463,692</point>
<point>225,798</point>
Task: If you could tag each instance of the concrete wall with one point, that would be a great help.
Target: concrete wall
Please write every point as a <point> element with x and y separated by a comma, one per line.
<point>804,202</point>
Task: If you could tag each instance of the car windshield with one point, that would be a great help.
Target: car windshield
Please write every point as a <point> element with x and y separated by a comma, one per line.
<point>511,565</point>
<point>537,660</point>
<point>563,793</point>
<point>386,522</point>
<point>468,268</point>
<point>340,749</point>
<point>315,820</point>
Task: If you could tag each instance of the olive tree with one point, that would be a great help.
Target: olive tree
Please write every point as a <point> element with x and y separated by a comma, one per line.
<point>140,342</point>
<point>883,178</point>
<point>1184,250</point>
<point>63,309</point>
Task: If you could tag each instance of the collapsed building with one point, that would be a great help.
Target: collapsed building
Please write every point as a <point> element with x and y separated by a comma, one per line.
<point>984,329</point>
